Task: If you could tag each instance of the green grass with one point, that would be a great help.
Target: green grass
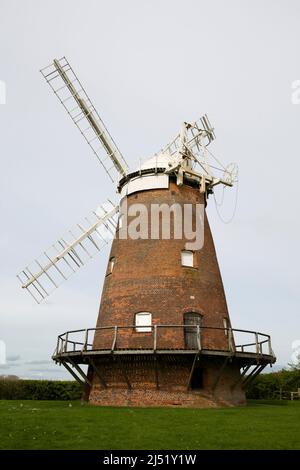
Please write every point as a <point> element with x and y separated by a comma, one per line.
<point>57,425</point>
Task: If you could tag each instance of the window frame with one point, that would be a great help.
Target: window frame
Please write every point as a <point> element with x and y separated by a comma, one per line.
<point>111,264</point>
<point>225,325</point>
<point>143,328</point>
<point>190,252</point>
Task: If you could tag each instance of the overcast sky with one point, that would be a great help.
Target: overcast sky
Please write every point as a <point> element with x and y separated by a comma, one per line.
<point>149,65</point>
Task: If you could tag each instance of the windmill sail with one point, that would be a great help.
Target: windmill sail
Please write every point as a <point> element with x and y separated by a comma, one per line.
<point>195,133</point>
<point>70,92</point>
<point>69,253</point>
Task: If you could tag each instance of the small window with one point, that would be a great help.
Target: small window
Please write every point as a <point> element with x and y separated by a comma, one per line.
<point>111,264</point>
<point>187,258</point>
<point>225,324</point>
<point>143,322</point>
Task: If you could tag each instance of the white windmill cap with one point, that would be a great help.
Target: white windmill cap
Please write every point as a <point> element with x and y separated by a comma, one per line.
<point>161,160</point>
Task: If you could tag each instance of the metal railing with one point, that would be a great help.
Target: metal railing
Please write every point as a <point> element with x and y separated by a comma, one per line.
<point>164,337</point>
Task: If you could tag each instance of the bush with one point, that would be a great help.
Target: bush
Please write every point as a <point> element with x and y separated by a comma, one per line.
<point>39,390</point>
<point>267,386</point>
<point>263,387</point>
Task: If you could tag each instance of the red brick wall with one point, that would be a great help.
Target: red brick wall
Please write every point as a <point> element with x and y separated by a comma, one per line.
<point>148,276</point>
<point>164,383</point>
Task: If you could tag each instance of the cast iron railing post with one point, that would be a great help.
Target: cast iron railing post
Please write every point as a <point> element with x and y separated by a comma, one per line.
<point>256,343</point>
<point>84,347</point>
<point>155,338</point>
<point>66,342</point>
<point>57,346</point>
<point>230,340</point>
<point>115,339</point>
<point>270,347</point>
<point>198,338</point>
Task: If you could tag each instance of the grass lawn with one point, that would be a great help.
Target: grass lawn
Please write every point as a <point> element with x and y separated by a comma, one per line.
<point>62,425</point>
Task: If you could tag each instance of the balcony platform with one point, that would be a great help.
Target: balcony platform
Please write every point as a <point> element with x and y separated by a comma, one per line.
<point>75,348</point>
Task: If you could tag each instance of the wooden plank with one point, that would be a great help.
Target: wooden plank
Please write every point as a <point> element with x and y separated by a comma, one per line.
<point>80,371</point>
<point>220,373</point>
<point>114,339</point>
<point>249,357</point>
<point>251,373</point>
<point>252,376</point>
<point>98,373</point>
<point>192,370</point>
<point>241,377</point>
<point>69,369</point>
<point>123,371</point>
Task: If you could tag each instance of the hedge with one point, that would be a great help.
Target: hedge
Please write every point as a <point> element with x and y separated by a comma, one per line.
<point>39,390</point>
<point>268,386</point>
<point>263,387</point>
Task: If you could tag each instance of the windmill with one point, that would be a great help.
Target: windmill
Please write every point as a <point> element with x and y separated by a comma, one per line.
<point>163,334</point>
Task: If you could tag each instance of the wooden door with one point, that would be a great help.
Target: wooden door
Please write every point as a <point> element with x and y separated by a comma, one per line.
<point>191,320</point>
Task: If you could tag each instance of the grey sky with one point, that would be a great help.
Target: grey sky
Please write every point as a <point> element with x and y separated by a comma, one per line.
<point>149,65</point>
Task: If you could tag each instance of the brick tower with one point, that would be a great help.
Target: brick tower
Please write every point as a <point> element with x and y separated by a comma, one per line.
<point>152,280</point>
<point>163,335</point>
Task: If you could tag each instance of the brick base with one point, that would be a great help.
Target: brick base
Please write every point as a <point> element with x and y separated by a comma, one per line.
<point>159,398</point>
<point>141,381</point>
